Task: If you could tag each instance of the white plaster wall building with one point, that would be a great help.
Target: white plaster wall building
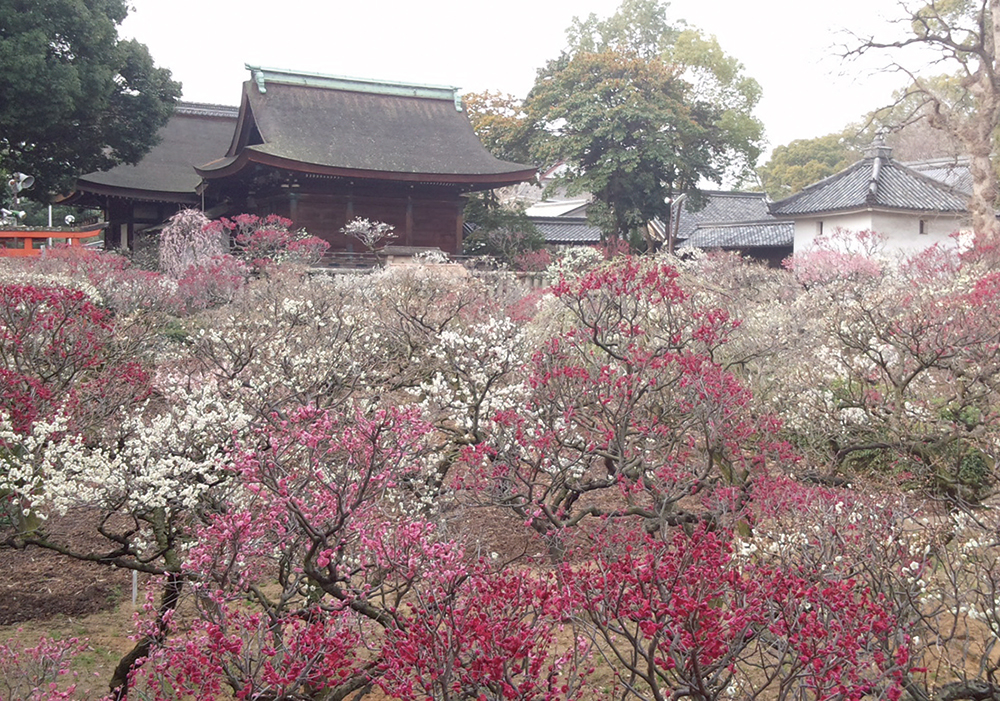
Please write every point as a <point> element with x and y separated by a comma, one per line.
<point>910,209</point>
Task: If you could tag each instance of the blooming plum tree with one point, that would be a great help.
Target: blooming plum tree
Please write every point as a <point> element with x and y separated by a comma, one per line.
<point>622,398</point>
<point>287,341</point>
<point>370,233</point>
<point>296,471</point>
<point>684,617</point>
<point>37,673</point>
<point>188,241</point>
<point>486,633</point>
<point>319,581</point>
<point>902,372</point>
<point>266,241</point>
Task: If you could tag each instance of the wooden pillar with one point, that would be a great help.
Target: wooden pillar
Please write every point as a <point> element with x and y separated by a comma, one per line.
<point>112,234</point>
<point>350,204</point>
<point>409,220</point>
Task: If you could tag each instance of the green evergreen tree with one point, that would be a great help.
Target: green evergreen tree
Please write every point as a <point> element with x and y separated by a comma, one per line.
<point>74,98</point>
<point>641,112</point>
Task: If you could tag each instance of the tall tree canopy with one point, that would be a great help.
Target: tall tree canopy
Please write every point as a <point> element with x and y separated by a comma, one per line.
<point>641,111</point>
<point>806,161</point>
<point>500,123</point>
<point>965,34</point>
<point>74,98</point>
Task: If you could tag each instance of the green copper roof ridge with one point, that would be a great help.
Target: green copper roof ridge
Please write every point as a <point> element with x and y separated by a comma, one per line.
<point>262,75</point>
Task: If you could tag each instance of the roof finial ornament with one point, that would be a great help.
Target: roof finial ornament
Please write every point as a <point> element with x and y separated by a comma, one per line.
<point>257,75</point>
<point>878,147</point>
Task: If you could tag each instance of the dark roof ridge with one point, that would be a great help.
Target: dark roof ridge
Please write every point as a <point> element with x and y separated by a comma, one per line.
<point>262,76</point>
<point>941,161</point>
<point>872,196</point>
<point>564,219</point>
<point>723,224</point>
<point>733,193</point>
<point>206,109</point>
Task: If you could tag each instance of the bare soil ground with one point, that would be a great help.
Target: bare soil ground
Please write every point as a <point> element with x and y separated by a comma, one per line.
<point>38,584</point>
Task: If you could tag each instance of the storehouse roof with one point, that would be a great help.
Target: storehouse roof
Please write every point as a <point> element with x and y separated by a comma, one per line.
<point>876,181</point>
<point>567,230</point>
<point>741,235</point>
<point>951,171</point>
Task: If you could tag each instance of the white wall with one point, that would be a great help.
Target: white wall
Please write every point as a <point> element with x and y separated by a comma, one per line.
<point>901,229</point>
<point>808,229</point>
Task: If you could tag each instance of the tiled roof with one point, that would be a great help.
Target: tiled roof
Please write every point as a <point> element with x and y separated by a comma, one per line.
<point>206,109</point>
<point>724,207</point>
<point>567,230</point>
<point>733,220</point>
<point>741,235</point>
<point>195,133</point>
<point>360,128</point>
<point>875,181</point>
<point>953,172</point>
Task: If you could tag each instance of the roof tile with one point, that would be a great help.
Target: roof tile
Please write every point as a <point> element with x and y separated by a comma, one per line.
<point>873,182</point>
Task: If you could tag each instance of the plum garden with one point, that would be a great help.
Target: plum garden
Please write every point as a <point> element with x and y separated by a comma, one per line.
<point>726,481</point>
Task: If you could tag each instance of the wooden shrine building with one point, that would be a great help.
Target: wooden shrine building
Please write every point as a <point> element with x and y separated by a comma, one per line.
<point>321,150</point>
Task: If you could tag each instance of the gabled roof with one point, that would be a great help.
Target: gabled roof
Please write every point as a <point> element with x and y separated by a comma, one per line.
<point>195,133</point>
<point>875,182</point>
<point>723,208</point>
<point>349,127</point>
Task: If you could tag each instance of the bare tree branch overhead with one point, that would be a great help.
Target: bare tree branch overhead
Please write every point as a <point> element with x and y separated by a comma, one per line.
<point>959,38</point>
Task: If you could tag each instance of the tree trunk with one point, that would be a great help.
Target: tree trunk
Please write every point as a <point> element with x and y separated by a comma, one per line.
<point>120,679</point>
<point>978,134</point>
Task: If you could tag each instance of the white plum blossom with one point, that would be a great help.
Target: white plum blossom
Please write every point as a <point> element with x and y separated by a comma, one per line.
<point>169,458</point>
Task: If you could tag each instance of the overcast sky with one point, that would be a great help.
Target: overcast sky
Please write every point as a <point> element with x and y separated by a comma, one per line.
<point>789,46</point>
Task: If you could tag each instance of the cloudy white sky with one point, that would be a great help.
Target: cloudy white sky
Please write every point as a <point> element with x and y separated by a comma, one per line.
<point>789,46</point>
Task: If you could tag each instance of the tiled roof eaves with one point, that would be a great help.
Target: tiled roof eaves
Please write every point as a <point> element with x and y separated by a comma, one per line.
<point>742,235</point>
<point>723,207</point>
<point>557,230</point>
<point>872,208</point>
<point>952,171</point>
<point>104,190</point>
<point>960,195</point>
<point>230,165</point>
<point>873,184</point>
